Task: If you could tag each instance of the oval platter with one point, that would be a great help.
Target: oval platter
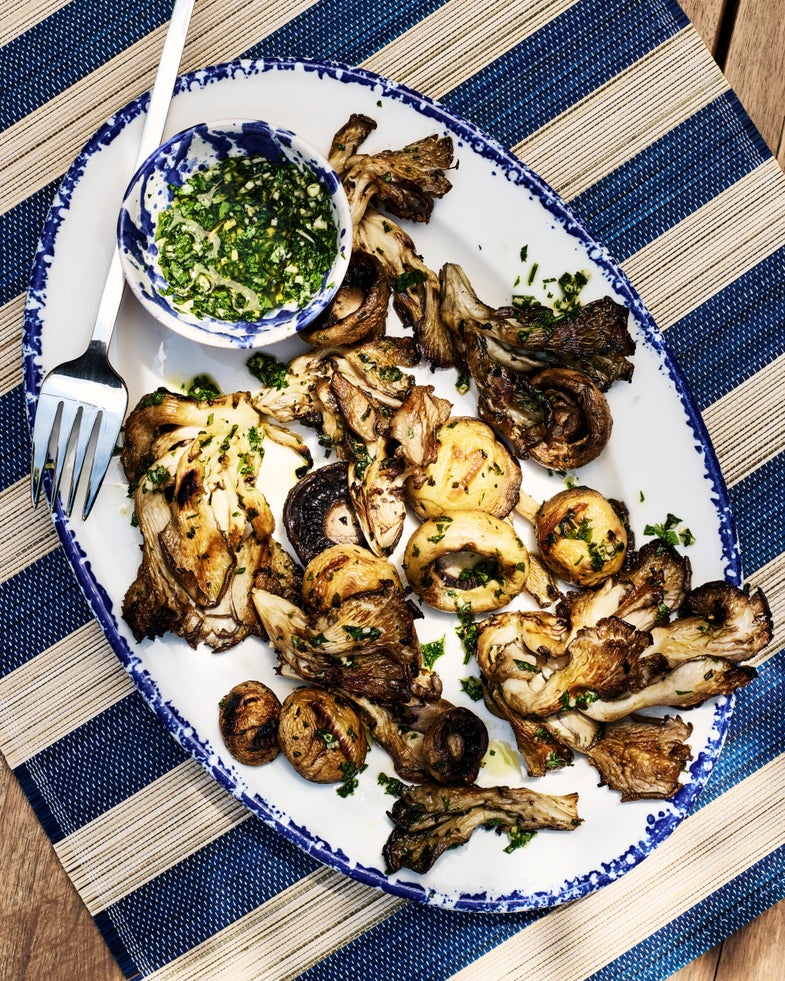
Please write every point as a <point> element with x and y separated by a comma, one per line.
<point>658,461</point>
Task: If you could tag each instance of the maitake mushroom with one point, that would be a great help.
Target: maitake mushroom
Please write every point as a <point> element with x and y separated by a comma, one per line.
<point>403,183</point>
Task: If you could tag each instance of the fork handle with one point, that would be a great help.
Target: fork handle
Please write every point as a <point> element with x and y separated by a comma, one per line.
<point>155,120</point>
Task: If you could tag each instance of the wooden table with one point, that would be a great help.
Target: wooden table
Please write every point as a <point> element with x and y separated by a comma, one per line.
<point>45,930</point>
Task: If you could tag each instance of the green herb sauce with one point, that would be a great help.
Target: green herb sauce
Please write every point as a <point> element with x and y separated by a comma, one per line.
<point>246,236</point>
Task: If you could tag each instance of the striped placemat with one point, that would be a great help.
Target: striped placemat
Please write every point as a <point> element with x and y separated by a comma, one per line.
<point>618,105</point>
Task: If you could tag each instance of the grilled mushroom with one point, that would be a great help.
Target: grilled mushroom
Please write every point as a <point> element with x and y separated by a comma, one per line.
<point>321,735</point>
<point>430,819</point>
<point>472,470</point>
<point>578,425</point>
<point>248,719</point>
<point>466,556</point>
<point>580,536</point>
<point>642,757</point>
<point>318,513</point>
<point>359,309</point>
<point>343,571</point>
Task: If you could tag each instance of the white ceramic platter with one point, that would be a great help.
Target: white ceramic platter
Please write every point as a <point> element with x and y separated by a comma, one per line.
<point>658,461</point>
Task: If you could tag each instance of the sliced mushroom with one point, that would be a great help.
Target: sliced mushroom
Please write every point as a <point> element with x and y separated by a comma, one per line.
<point>322,736</point>
<point>472,470</point>
<point>579,424</point>
<point>359,309</point>
<point>466,556</point>
<point>248,718</point>
<point>318,513</point>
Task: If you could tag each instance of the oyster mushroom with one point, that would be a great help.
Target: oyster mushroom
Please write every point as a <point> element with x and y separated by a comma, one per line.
<point>540,374</point>
<point>415,286</point>
<point>472,470</point>
<point>248,718</point>
<point>427,741</point>
<point>321,735</point>
<point>579,423</point>
<point>318,513</point>
<point>685,686</point>
<point>591,338</point>
<point>430,819</point>
<point>642,757</point>
<point>717,619</point>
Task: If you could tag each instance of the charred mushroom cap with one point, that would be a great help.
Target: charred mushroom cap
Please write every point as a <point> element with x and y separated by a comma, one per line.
<point>321,735</point>
<point>342,571</point>
<point>579,424</point>
<point>318,513</point>
<point>472,470</point>
<point>359,309</point>
<point>580,536</point>
<point>248,719</point>
<point>453,747</point>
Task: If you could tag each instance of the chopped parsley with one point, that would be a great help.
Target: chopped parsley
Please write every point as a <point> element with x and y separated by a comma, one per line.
<point>466,630</point>
<point>518,839</point>
<point>671,531</point>
<point>431,652</point>
<point>202,388</point>
<point>363,633</point>
<point>472,686</point>
<point>271,372</point>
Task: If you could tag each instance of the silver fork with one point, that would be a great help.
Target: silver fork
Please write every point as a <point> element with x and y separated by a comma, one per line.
<point>82,402</point>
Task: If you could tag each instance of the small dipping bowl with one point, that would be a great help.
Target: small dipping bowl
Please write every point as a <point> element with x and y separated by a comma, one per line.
<point>151,192</point>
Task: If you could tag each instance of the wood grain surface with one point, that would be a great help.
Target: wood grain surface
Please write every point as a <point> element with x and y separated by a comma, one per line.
<point>45,930</point>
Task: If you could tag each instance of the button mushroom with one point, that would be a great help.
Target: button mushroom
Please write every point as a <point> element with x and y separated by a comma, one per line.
<point>248,718</point>
<point>321,735</point>
<point>472,470</point>
<point>343,571</point>
<point>580,536</point>
<point>466,556</point>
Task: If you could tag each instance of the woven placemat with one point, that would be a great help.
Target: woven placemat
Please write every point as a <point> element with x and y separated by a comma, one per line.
<point>619,106</point>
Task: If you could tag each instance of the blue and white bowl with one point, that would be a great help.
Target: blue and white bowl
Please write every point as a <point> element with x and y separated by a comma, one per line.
<point>150,193</point>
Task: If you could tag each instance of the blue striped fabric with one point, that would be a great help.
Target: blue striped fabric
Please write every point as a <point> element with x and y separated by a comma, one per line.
<point>228,870</point>
<point>101,763</point>
<point>667,181</point>
<point>756,298</point>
